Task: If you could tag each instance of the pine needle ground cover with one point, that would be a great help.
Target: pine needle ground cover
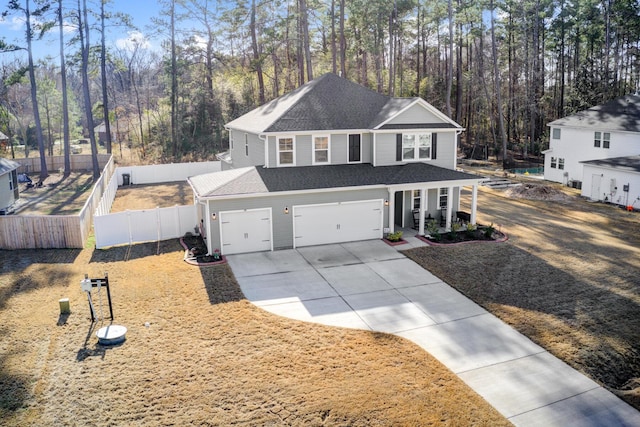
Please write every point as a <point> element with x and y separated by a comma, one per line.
<point>207,356</point>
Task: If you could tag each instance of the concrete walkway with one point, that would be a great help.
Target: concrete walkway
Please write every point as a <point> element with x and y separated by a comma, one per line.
<point>370,285</point>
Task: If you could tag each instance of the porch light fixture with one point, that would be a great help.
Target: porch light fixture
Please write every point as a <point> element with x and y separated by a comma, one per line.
<point>214,216</point>
<point>286,210</point>
<point>386,202</point>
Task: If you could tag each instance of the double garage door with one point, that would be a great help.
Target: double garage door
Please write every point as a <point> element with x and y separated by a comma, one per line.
<point>251,230</point>
<point>337,222</point>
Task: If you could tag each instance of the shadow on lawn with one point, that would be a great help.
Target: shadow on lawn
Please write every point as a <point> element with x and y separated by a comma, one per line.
<point>221,284</point>
<point>557,310</point>
<point>137,251</point>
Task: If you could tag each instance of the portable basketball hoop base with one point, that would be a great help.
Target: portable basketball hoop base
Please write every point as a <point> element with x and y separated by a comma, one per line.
<point>108,335</point>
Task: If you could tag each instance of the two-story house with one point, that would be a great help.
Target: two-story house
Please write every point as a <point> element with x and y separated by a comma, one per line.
<point>606,131</point>
<point>330,162</point>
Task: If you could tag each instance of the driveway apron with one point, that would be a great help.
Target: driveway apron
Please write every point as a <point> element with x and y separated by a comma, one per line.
<point>370,285</point>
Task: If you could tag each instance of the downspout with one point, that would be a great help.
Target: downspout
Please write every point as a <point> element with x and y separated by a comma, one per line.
<point>265,138</point>
<point>373,154</point>
<point>455,154</point>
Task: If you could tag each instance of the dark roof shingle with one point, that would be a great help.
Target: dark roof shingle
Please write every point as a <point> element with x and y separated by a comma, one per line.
<point>628,163</point>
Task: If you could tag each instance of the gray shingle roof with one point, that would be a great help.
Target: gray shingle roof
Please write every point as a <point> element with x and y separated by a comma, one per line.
<point>628,163</point>
<point>621,114</point>
<point>253,180</point>
<point>7,165</point>
<point>329,102</point>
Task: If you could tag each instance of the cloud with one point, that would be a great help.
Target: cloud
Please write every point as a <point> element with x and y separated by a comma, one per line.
<point>135,39</point>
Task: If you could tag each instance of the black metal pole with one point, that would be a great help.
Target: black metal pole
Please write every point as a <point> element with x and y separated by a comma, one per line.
<point>106,279</point>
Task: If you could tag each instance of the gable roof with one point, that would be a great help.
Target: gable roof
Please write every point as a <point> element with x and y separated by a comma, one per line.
<point>620,114</point>
<point>628,163</point>
<point>7,165</point>
<point>328,102</point>
<point>252,180</point>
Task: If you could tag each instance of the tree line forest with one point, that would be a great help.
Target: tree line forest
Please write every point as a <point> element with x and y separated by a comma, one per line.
<point>503,69</point>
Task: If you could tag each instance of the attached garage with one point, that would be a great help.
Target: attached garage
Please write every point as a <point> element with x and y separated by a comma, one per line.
<point>246,231</point>
<point>337,222</point>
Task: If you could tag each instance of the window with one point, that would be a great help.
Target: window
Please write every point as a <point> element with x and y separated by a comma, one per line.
<point>597,139</point>
<point>555,133</point>
<point>560,163</point>
<point>416,199</point>
<point>606,139</point>
<point>442,198</point>
<point>246,145</point>
<point>285,151</point>
<point>321,149</point>
<point>416,146</point>
<point>553,162</point>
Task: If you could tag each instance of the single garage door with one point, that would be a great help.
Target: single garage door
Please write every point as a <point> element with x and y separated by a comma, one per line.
<point>337,222</point>
<point>245,231</point>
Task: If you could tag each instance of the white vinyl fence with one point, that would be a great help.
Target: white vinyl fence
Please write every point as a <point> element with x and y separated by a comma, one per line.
<point>143,226</point>
<point>152,224</point>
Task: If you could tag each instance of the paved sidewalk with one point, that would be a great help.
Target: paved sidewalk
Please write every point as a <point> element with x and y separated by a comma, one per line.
<point>370,285</point>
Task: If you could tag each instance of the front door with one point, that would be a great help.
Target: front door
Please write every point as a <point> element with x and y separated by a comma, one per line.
<point>354,148</point>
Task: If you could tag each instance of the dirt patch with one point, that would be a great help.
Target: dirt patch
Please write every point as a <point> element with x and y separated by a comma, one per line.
<point>208,356</point>
<point>536,192</point>
<point>58,195</point>
<point>151,196</point>
<point>567,278</point>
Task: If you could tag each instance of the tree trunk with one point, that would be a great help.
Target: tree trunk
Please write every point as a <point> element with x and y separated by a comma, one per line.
<point>65,102</point>
<point>497,89</point>
<point>103,72</point>
<point>334,56</point>
<point>343,42</point>
<point>304,23</point>
<point>84,46</point>
<point>174,83</point>
<point>450,60</point>
<point>44,173</point>
<point>257,62</point>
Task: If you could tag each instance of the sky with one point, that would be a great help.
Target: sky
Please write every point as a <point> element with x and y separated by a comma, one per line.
<point>141,11</point>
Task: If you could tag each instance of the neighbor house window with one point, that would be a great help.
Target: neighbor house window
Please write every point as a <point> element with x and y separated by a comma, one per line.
<point>442,198</point>
<point>246,144</point>
<point>321,149</point>
<point>606,139</point>
<point>597,139</point>
<point>416,146</point>
<point>285,151</point>
<point>560,163</point>
<point>556,133</point>
<point>553,162</point>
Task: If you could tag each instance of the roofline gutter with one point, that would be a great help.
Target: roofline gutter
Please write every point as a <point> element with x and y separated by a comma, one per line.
<point>397,187</point>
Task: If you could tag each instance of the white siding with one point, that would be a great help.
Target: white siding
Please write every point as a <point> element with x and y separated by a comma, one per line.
<point>6,194</point>
<point>416,114</point>
<point>611,186</point>
<point>576,145</point>
<point>385,150</point>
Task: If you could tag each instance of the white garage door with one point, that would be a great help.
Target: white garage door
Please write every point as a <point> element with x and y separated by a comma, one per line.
<point>245,231</point>
<point>337,222</point>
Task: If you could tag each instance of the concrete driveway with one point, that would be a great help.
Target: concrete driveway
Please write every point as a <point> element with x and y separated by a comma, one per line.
<point>370,285</point>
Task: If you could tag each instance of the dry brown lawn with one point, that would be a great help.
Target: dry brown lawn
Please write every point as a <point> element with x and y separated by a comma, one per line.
<point>59,195</point>
<point>568,278</point>
<point>209,357</point>
<point>151,196</point>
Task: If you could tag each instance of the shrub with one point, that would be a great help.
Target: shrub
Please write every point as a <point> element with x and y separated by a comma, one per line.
<point>394,237</point>
<point>488,231</point>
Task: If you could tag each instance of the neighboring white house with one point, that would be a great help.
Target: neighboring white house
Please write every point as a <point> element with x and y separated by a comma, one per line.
<point>614,180</point>
<point>330,162</point>
<point>9,192</point>
<point>602,132</point>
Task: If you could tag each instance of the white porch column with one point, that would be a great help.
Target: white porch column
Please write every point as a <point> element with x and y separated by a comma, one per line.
<point>391,211</point>
<point>423,197</point>
<point>449,206</point>
<point>474,202</point>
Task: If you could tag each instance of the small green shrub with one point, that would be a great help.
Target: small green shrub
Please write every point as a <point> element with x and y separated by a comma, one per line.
<point>488,231</point>
<point>394,237</point>
<point>470,230</point>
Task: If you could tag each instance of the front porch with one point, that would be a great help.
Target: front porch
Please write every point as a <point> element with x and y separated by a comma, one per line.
<point>413,207</point>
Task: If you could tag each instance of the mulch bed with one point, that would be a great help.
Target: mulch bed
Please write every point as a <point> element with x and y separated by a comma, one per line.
<point>196,252</point>
<point>480,234</point>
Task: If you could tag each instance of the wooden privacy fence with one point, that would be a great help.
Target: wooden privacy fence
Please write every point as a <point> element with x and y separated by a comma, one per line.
<point>79,162</point>
<point>143,225</point>
<point>54,231</point>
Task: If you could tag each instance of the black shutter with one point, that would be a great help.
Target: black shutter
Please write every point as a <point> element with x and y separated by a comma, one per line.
<point>434,146</point>
<point>398,147</point>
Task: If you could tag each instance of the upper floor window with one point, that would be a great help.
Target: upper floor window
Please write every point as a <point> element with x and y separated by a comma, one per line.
<point>416,146</point>
<point>606,139</point>
<point>555,133</point>
<point>321,149</point>
<point>285,151</point>
<point>554,162</point>
<point>246,144</point>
